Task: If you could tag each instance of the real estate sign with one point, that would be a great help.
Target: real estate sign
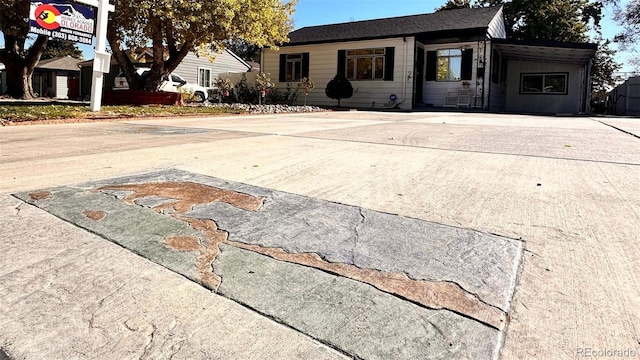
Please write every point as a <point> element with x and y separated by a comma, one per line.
<point>63,20</point>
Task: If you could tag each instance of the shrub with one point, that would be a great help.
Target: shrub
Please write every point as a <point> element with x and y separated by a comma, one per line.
<point>225,87</point>
<point>244,92</point>
<point>288,96</point>
<point>306,84</point>
<point>339,88</point>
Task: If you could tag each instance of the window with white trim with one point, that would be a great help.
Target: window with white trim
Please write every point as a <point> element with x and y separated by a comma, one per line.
<point>449,65</point>
<point>365,64</point>
<point>204,77</point>
<point>293,67</point>
<point>550,84</point>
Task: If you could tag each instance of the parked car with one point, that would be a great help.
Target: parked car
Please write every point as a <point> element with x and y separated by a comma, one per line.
<point>173,83</point>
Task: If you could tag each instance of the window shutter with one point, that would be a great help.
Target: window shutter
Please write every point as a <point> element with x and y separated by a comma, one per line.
<point>432,66</point>
<point>389,58</point>
<point>467,64</point>
<point>342,58</point>
<point>305,65</point>
<point>283,67</point>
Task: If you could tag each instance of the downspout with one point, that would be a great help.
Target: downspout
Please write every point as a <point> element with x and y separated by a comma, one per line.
<point>404,74</point>
<point>484,78</point>
<point>487,75</point>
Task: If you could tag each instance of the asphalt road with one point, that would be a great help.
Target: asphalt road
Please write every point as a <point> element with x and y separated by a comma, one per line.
<point>568,189</point>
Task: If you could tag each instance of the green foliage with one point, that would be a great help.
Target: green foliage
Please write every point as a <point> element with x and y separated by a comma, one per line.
<point>263,82</point>
<point>225,88</point>
<point>629,37</point>
<point>289,96</point>
<point>339,88</point>
<point>244,49</point>
<point>604,67</point>
<point>244,92</point>
<point>455,4</point>
<point>173,28</point>
<point>19,58</point>
<point>57,48</point>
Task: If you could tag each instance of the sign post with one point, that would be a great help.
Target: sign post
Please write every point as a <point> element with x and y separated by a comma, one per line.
<point>101,60</point>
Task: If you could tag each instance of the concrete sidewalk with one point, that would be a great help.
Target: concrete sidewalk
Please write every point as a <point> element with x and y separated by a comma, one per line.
<point>568,187</point>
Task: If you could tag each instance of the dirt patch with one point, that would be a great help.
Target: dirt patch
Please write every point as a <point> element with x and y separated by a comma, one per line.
<point>94,215</point>
<point>40,195</point>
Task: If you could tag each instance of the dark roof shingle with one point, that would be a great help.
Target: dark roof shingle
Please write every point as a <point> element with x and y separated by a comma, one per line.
<point>451,20</point>
<point>59,63</point>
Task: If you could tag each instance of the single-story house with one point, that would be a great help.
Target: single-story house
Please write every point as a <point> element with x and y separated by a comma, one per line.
<point>193,68</point>
<point>56,78</point>
<point>455,58</point>
<point>625,98</point>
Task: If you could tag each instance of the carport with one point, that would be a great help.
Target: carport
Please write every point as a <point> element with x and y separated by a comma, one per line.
<point>540,76</point>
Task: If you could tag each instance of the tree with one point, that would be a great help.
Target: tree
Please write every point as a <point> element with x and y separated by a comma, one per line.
<point>245,50</point>
<point>629,19</point>
<point>455,4</point>
<point>604,67</point>
<point>19,58</point>
<point>56,48</point>
<point>339,88</point>
<point>177,27</point>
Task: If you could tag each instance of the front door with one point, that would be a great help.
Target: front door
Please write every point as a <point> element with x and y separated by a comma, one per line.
<point>419,78</point>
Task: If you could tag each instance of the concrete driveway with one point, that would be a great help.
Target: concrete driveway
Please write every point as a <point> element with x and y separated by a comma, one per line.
<point>375,235</point>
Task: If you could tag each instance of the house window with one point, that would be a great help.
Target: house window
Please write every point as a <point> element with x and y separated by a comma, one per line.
<point>293,67</point>
<point>553,83</point>
<point>449,65</point>
<point>204,77</point>
<point>365,64</point>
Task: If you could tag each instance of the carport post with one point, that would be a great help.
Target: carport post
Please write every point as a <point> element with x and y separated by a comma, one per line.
<point>101,60</point>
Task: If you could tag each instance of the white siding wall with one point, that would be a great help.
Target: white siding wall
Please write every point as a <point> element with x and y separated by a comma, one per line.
<point>61,87</point>
<point>223,63</point>
<point>497,29</point>
<point>323,64</point>
<point>434,92</point>
<point>544,103</point>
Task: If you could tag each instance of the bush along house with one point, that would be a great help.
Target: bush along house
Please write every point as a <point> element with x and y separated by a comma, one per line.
<point>456,58</point>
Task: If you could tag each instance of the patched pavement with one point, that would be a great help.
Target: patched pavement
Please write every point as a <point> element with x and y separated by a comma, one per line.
<point>321,236</point>
<point>372,285</point>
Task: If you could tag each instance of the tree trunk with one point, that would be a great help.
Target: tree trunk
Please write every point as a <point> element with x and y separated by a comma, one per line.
<point>19,83</point>
<point>20,67</point>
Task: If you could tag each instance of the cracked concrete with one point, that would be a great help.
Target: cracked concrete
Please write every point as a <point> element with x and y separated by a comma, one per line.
<point>579,290</point>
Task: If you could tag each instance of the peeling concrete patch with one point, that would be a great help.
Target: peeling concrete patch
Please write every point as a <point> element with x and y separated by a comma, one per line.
<point>187,195</point>
<point>40,195</point>
<point>431,294</point>
<point>183,243</point>
<point>433,267</point>
<point>94,215</point>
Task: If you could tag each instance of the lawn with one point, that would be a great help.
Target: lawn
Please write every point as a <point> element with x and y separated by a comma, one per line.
<point>12,114</point>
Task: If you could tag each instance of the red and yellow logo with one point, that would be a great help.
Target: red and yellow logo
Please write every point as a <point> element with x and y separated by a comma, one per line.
<point>46,16</point>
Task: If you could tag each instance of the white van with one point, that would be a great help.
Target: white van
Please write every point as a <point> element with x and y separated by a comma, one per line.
<point>173,83</point>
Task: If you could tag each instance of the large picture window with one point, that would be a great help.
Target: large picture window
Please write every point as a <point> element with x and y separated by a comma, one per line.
<point>204,77</point>
<point>365,64</point>
<point>449,65</point>
<point>551,84</point>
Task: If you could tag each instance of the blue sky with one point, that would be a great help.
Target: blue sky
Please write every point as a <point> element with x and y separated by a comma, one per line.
<point>321,12</point>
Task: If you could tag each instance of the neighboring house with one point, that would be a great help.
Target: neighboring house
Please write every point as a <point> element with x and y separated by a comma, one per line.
<point>625,98</point>
<point>193,68</point>
<point>56,78</point>
<point>457,58</point>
